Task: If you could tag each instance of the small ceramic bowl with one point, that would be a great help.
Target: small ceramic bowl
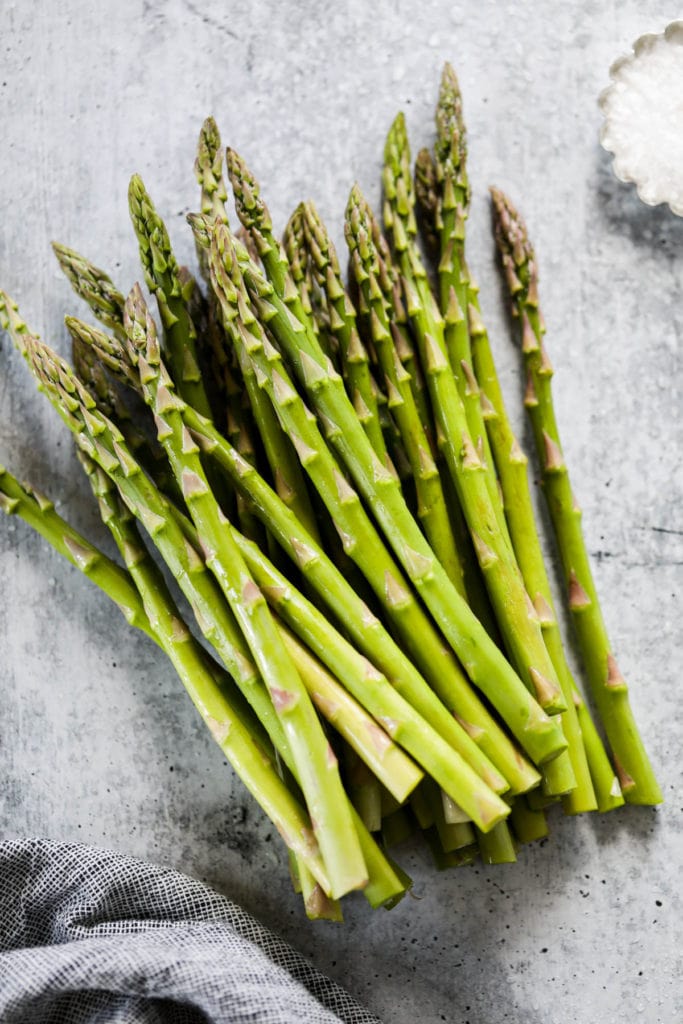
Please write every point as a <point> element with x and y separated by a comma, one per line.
<point>643,111</point>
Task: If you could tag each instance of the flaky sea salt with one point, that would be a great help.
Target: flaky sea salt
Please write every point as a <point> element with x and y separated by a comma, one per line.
<point>643,109</point>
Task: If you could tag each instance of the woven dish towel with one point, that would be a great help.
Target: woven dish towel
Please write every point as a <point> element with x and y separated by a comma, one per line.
<point>89,936</point>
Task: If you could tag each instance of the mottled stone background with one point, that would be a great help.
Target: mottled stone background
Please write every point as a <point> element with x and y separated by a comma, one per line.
<point>99,742</point>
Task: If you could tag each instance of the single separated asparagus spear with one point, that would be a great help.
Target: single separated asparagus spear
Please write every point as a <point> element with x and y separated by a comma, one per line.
<point>372,279</point>
<point>368,633</point>
<point>467,342</point>
<point>483,661</point>
<point>317,769</point>
<point>608,688</point>
<point>229,719</point>
<point>517,620</point>
<point>94,286</point>
<point>342,316</point>
<point>161,274</point>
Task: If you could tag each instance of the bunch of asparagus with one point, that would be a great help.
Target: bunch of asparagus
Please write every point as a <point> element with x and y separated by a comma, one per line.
<point>330,474</point>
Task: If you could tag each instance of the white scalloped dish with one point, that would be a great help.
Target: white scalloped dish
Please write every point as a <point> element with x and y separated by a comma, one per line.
<point>643,111</point>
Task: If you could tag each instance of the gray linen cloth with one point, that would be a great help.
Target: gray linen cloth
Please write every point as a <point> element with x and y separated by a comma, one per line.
<point>89,936</point>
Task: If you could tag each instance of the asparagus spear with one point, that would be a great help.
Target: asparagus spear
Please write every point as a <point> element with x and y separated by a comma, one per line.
<point>294,245</point>
<point>94,286</point>
<point>487,668</point>
<point>342,315</point>
<point>161,274</point>
<point>208,169</point>
<point>365,629</point>
<point>608,688</point>
<point>368,270</point>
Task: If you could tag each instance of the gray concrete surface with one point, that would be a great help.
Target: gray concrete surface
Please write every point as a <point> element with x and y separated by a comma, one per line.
<point>98,741</point>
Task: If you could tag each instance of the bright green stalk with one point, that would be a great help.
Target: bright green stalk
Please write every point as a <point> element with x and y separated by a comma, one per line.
<point>372,743</point>
<point>294,245</point>
<point>498,846</point>
<point>92,374</point>
<point>389,282</point>
<point>39,512</point>
<point>227,718</point>
<point>596,782</point>
<point>527,824</point>
<point>608,688</point>
<point>369,273</point>
<point>485,664</point>
<point>208,169</point>
<point>452,836</point>
<point>316,766</point>
<point>161,274</point>
<point>356,371</point>
<point>365,629</point>
<point>518,622</point>
<point>94,286</point>
<point>464,785</point>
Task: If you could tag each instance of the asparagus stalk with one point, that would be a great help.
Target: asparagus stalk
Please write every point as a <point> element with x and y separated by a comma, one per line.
<point>608,688</point>
<point>316,765</point>
<point>364,628</point>
<point>94,286</point>
<point>93,375</point>
<point>161,274</point>
<point>342,316</point>
<point>294,245</point>
<point>368,271</point>
<point>208,169</point>
<point>487,668</point>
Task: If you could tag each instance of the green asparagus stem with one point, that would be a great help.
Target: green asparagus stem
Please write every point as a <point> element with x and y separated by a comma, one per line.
<point>498,847</point>
<point>527,824</point>
<point>161,274</point>
<point>39,512</point>
<point>368,271</point>
<point>208,169</point>
<point>94,286</point>
<point>488,669</point>
<point>342,315</point>
<point>93,375</point>
<point>365,629</point>
<point>608,688</point>
<point>316,766</point>
<point>294,245</point>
